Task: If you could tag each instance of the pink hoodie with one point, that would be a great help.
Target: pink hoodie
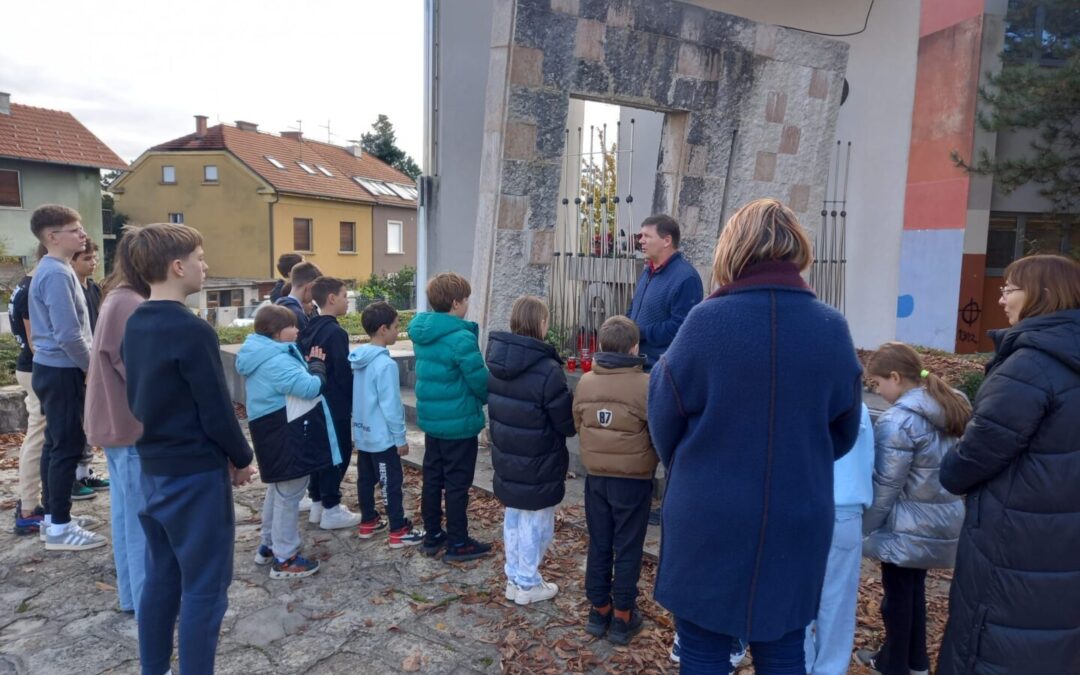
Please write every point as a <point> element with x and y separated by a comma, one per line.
<point>108,420</point>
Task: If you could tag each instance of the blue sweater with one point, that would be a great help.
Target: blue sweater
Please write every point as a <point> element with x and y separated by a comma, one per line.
<point>59,319</point>
<point>662,299</point>
<point>176,388</point>
<point>757,396</point>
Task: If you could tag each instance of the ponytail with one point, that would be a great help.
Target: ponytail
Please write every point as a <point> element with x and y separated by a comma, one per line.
<point>897,357</point>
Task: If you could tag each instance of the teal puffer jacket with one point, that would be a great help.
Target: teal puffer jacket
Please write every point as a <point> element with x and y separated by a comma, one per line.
<point>451,379</point>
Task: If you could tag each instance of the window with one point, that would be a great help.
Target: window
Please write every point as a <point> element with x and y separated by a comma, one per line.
<point>301,234</point>
<point>395,237</point>
<point>347,238</point>
<point>1015,235</point>
<point>168,174</point>
<point>373,186</point>
<point>275,162</point>
<point>10,192</point>
<point>177,218</point>
<point>324,170</point>
<point>402,191</point>
<point>305,167</point>
<point>209,173</point>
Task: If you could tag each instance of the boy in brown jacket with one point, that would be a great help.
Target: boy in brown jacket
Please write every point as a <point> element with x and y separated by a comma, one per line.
<point>610,417</point>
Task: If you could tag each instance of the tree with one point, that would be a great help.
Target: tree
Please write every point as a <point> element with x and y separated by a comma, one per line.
<point>1038,88</point>
<point>599,186</point>
<point>108,177</point>
<point>382,143</point>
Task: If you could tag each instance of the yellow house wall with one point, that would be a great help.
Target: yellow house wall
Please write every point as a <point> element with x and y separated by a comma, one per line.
<point>234,220</point>
<point>326,217</point>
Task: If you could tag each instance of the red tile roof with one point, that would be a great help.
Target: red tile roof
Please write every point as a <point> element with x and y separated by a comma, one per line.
<point>53,136</point>
<point>252,148</point>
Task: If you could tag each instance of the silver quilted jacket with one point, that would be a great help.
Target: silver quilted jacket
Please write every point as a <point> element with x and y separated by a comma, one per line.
<point>913,522</point>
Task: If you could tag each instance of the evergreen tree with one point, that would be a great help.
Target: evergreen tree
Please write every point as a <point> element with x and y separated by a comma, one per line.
<point>382,143</point>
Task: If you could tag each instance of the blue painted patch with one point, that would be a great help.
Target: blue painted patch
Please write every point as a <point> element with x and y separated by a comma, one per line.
<point>905,306</point>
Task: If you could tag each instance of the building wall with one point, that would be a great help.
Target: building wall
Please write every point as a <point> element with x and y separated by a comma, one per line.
<point>231,215</point>
<point>75,187</point>
<point>327,216</point>
<point>387,263</point>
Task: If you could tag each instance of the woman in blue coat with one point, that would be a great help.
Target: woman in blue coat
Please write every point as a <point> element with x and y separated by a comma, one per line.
<point>758,395</point>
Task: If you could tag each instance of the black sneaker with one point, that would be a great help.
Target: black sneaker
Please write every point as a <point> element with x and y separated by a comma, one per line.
<point>433,543</point>
<point>655,516</point>
<point>470,550</point>
<point>598,623</point>
<point>621,631</point>
<point>94,483</point>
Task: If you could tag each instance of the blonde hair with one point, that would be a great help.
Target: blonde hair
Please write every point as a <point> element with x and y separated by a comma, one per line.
<point>527,317</point>
<point>760,231</point>
<point>897,357</point>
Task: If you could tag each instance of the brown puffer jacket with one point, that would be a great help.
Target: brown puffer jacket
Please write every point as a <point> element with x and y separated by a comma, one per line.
<point>610,406</point>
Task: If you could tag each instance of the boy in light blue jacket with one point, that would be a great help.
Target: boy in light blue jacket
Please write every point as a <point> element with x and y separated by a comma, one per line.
<point>379,428</point>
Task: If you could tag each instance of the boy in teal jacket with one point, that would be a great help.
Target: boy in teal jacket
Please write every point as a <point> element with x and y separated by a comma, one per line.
<point>451,390</point>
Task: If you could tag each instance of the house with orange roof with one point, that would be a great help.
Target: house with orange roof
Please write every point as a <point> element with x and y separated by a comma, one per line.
<point>47,157</point>
<point>255,195</point>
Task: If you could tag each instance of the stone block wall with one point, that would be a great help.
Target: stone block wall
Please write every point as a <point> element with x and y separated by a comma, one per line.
<point>750,112</point>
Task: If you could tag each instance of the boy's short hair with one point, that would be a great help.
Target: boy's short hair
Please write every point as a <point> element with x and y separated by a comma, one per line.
<point>376,315</point>
<point>156,246</point>
<point>287,261</point>
<point>49,216</point>
<point>323,287</point>
<point>272,319</point>
<point>618,334</point>
<point>445,288</point>
<point>303,274</point>
<point>91,247</point>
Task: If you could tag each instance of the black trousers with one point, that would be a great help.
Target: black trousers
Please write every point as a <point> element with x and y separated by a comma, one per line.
<point>449,465</point>
<point>903,610</point>
<point>325,486</point>
<point>617,515</point>
<point>381,467</point>
<point>62,392</point>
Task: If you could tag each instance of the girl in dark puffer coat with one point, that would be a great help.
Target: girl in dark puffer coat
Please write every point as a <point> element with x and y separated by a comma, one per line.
<point>529,406</point>
<point>1014,604</point>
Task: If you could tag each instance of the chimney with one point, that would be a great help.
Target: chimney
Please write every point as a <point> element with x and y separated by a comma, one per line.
<point>5,103</point>
<point>246,126</point>
<point>354,150</point>
<point>200,125</point>
<point>295,135</point>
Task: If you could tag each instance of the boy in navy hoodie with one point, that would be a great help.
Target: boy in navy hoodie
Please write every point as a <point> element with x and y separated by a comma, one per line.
<point>379,427</point>
<point>324,332</point>
<point>301,279</point>
<point>192,452</point>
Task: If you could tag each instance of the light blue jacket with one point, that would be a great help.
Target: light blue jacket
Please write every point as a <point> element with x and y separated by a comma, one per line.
<point>378,416</point>
<point>853,486</point>
<point>275,370</point>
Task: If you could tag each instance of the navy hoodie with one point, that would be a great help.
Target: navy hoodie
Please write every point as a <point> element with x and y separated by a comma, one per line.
<point>327,333</point>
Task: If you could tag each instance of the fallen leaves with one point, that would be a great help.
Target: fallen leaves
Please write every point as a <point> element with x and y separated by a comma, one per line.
<point>412,663</point>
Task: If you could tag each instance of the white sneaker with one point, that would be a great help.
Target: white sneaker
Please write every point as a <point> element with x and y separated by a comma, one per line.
<point>543,591</point>
<point>305,503</point>
<point>74,538</point>
<point>85,522</point>
<point>316,513</point>
<point>338,518</point>
<point>511,590</point>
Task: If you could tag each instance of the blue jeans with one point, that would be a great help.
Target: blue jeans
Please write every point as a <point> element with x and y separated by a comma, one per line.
<point>189,523</point>
<point>830,637</point>
<point>526,536</point>
<point>706,652</point>
<point>128,540</point>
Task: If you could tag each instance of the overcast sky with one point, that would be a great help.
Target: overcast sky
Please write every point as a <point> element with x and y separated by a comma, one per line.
<point>135,72</point>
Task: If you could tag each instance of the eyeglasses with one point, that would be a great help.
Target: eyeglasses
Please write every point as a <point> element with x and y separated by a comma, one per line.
<point>77,229</point>
<point>1005,291</point>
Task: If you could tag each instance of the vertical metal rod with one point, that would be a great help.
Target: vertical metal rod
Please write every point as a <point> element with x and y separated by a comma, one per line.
<point>843,233</point>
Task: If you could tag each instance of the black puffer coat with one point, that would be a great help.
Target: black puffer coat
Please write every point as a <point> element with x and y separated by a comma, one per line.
<point>530,411</point>
<point>1014,606</point>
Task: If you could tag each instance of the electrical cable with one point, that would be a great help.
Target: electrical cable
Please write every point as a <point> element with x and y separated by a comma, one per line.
<point>866,22</point>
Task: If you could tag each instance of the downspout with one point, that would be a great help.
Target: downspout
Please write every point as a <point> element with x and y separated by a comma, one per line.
<point>270,208</point>
<point>429,167</point>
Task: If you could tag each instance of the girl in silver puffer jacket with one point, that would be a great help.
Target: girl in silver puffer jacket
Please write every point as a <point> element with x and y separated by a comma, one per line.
<point>913,524</point>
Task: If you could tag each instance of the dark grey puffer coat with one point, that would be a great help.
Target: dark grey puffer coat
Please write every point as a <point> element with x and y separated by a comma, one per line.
<point>913,522</point>
<point>1014,607</point>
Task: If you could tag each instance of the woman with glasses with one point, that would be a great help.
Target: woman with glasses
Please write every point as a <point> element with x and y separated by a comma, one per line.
<point>1014,606</point>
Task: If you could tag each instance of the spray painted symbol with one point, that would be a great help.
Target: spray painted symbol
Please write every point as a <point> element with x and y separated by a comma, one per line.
<point>970,312</point>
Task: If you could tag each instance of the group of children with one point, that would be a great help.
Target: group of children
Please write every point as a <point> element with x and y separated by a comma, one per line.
<point>160,408</point>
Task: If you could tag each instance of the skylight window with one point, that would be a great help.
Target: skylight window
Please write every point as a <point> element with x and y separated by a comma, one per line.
<point>305,167</point>
<point>275,162</point>
<point>401,190</point>
<point>324,170</point>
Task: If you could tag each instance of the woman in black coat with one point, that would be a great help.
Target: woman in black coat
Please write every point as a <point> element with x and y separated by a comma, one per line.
<point>530,411</point>
<point>1014,606</point>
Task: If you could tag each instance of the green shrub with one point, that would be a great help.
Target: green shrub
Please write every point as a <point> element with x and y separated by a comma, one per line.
<point>970,383</point>
<point>9,353</point>
<point>232,335</point>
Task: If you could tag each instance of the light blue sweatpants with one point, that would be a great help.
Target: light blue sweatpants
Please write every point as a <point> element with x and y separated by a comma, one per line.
<point>526,536</point>
<point>829,639</point>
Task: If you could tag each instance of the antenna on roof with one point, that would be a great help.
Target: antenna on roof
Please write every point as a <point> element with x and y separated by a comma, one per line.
<point>327,127</point>
<point>300,128</point>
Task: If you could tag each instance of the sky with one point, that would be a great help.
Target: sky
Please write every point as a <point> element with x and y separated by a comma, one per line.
<point>136,72</point>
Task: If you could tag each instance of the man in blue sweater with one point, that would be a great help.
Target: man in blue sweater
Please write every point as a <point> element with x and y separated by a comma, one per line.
<point>60,332</point>
<point>192,453</point>
<point>667,290</point>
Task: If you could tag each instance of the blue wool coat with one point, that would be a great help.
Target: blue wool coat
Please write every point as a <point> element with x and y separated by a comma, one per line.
<point>757,396</point>
<point>662,299</point>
